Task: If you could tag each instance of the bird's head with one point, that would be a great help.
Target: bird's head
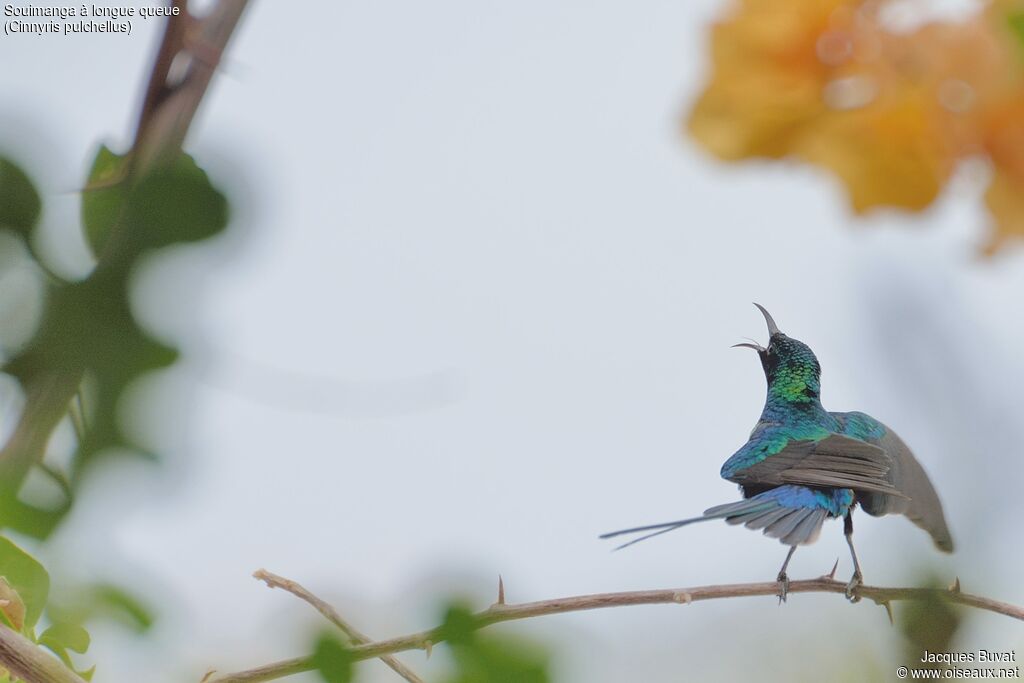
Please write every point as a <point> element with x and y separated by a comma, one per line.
<point>791,368</point>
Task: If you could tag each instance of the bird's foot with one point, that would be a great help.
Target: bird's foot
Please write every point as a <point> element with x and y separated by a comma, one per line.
<point>783,581</point>
<point>856,580</point>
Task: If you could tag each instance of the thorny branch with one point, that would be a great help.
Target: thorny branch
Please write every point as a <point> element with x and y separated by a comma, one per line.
<point>499,612</point>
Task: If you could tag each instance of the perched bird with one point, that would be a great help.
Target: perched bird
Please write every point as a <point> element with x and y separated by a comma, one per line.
<point>803,464</point>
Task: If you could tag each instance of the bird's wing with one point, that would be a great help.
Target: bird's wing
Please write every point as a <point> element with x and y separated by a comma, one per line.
<point>919,501</point>
<point>835,461</point>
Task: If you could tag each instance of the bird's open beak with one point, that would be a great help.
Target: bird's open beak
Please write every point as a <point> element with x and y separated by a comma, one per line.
<point>773,329</point>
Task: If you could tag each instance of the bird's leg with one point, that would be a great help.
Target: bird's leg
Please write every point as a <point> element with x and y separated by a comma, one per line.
<point>857,578</point>
<point>782,578</point>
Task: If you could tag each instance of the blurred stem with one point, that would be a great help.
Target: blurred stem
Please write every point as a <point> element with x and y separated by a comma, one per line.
<point>497,613</point>
<point>47,396</point>
<point>172,99</point>
<point>29,663</point>
<point>77,413</point>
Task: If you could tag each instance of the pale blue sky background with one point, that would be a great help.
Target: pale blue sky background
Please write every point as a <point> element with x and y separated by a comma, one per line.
<point>475,308</point>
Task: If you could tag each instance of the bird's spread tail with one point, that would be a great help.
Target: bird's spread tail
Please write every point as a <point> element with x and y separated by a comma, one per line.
<point>792,514</point>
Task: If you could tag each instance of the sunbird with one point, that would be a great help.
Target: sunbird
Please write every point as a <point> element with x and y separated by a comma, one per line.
<point>803,465</point>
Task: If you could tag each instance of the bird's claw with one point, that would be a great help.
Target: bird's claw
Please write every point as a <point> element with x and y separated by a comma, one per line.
<point>783,581</point>
<point>855,581</point>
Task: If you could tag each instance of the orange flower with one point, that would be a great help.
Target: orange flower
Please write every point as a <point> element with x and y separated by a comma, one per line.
<point>1001,127</point>
<point>768,77</point>
<point>1004,143</point>
<point>889,113</point>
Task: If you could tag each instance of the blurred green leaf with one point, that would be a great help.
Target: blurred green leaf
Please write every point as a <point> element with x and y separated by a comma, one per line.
<point>110,600</point>
<point>487,658</point>
<point>88,327</point>
<point>459,625</point>
<point>930,624</point>
<point>26,576</point>
<point>103,197</point>
<point>103,600</point>
<point>175,204</point>
<point>171,204</point>
<point>63,636</point>
<point>332,660</point>
<point>20,205</point>
<point>88,332</point>
<point>498,661</point>
<point>1016,22</point>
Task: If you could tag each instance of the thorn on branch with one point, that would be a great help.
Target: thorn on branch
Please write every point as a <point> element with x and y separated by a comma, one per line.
<point>501,591</point>
<point>832,574</point>
<point>887,604</point>
<point>955,587</point>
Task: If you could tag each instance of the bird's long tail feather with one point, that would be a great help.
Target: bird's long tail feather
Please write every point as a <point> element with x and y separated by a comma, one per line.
<point>788,513</point>
<point>663,528</point>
